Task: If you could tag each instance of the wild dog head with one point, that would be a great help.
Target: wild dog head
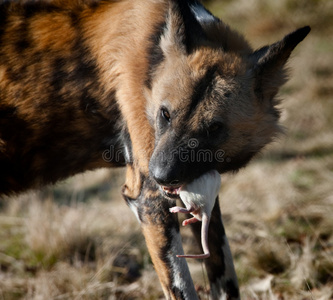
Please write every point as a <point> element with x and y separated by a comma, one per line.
<point>211,98</point>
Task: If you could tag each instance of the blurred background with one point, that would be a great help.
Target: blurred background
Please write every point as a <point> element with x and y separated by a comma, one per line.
<point>78,239</point>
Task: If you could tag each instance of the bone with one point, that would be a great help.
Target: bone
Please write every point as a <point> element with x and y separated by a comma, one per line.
<point>199,199</point>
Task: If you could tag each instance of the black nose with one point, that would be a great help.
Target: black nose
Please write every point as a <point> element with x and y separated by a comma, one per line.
<point>165,177</point>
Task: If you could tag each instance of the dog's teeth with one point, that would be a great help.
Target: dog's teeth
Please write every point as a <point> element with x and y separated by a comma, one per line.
<point>171,191</point>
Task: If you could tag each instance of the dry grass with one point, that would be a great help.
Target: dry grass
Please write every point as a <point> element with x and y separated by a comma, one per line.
<point>74,250</point>
<point>78,240</point>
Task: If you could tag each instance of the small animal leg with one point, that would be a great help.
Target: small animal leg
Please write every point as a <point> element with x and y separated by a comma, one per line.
<point>178,209</point>
<point>190,221</point>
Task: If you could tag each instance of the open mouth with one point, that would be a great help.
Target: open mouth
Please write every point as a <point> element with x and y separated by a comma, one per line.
<point>172,192</point>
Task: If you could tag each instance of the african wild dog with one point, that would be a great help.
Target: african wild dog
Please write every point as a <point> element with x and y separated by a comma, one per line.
<point>143,78</point>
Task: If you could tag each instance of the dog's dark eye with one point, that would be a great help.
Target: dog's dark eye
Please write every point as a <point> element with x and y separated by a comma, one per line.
<point>165,114</point>
<point>215,127</point>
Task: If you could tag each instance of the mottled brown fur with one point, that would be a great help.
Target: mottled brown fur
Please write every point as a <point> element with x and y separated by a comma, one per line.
<point>68,76</point>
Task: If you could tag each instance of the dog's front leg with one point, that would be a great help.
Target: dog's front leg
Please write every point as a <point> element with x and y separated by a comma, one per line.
<point>161,231</point>
<point>220,268</point>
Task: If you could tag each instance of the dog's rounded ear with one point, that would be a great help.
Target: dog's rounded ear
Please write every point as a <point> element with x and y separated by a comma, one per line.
<point>184,32</point>
<point>268,63</point>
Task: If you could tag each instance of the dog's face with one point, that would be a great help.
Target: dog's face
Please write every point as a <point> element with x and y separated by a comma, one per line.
<point>212,107</point>
<point>206,116</point>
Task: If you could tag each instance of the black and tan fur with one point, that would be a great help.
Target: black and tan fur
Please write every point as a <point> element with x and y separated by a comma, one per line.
<point>82,78</point>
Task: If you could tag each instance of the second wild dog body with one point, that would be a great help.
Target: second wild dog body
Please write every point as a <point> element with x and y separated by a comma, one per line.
<point>137,80</point>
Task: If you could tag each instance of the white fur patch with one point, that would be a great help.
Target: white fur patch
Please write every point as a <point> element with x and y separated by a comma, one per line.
<point>134,206</point>
<point>181,275</point>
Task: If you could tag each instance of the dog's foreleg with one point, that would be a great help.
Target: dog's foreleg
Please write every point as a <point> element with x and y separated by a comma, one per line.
<point>161,231</point>
<point>220,268</point>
